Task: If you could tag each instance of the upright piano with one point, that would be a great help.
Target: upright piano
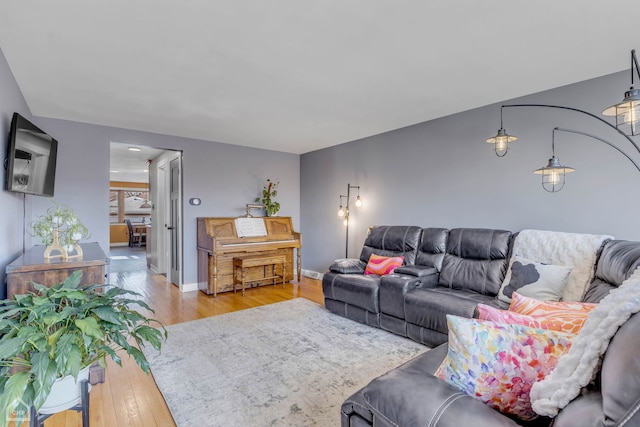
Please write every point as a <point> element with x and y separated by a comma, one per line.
<point>219,243</point>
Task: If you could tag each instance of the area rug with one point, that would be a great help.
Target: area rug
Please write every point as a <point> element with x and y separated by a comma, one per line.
<point>291,363</point>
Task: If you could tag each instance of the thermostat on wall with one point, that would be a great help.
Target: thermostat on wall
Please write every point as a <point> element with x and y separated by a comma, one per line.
<point>194,201</point>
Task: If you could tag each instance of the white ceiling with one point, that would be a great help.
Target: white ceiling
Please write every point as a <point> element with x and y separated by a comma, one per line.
<point>131,166</point>
<point>297,76</point>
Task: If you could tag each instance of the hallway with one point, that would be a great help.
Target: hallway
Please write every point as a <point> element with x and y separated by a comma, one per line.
<point>124,258</point>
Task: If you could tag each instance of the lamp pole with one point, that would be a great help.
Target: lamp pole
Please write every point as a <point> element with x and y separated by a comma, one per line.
<point>346,215</point>
<point>615,147</point>
<point>579,111</point>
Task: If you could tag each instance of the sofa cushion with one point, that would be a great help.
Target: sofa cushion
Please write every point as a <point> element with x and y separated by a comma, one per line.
<point>476,259</point>
<point>584,411</point>
<point>498,362</point>
<point>618,260</point>
<point>392,240</point>
<point>353,289</point>
<point>382,265</point>
<point>433,246</point>
<point>393,288</point>
<point>533,279</point>
<point>428,308</point>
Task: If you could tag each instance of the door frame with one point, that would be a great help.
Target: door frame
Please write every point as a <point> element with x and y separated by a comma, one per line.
<point>163,204</point>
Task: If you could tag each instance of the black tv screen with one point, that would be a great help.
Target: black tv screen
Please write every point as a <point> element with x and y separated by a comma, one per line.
<point>31,159</point>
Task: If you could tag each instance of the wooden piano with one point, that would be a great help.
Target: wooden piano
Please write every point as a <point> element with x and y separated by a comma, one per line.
<point>218,244</point>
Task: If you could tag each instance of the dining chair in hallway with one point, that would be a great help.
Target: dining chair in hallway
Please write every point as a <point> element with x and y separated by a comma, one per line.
<point>135,238</point>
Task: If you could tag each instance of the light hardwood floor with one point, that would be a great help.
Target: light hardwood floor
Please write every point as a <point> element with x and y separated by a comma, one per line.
<point>128,397</point>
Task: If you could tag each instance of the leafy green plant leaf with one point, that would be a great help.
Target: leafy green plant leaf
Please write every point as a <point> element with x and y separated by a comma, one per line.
<point>11,347</point>
<point>90,327</point>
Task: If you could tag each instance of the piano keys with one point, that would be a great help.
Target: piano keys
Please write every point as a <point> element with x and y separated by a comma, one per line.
<point>218,243</point>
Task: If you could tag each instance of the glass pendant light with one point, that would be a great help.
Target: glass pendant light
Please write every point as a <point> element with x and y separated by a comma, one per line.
<point>627,113</point>
<point>553,175</point>
<point>502,140</point>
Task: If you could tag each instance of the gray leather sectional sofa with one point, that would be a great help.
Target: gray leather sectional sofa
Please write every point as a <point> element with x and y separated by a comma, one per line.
<point>450,272</point>
<point>445,272</point>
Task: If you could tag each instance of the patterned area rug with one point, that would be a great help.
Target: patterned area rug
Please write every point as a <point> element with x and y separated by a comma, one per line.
<point>287,364</point>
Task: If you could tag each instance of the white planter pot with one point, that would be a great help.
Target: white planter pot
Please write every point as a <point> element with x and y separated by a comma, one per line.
<point>65,393</point>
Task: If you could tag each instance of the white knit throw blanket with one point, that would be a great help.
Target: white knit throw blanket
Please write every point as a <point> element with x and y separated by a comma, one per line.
<point>560,248</point>
<point>577,368</point>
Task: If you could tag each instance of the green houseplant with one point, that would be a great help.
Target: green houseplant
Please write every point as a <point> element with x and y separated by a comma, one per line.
<point>61,218</point>
<point>59,331</point>
<point>269,192</point>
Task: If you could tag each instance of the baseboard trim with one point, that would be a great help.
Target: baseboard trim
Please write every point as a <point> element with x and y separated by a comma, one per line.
<point>188,287</point>
<point>312,274</point>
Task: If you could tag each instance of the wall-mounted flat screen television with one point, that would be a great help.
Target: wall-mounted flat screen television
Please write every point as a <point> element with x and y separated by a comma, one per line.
<point>31,159</point>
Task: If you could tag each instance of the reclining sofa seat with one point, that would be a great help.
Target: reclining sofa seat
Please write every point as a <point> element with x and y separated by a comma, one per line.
<point>424,273</point>
<point>410,395</point>
<point>473,269</point>
<point>352,294</point>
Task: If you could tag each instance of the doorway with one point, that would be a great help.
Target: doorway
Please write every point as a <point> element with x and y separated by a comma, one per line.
<point>152,203</point>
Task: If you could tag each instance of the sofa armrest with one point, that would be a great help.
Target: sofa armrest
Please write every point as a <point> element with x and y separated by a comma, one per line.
<point>428,275</point>
<point>416,270</point>
<point>402,400</point>
<point>348,266</point>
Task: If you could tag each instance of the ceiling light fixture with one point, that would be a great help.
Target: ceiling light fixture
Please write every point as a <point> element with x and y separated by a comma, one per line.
<point>134,149</point>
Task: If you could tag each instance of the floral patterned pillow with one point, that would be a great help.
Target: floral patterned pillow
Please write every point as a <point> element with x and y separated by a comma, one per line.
<point>498,363</point>
<point>570,322</point>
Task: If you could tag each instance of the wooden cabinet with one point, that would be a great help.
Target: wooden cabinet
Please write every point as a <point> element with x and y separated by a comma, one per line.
<point>118,234</point>
<point>31,267</point>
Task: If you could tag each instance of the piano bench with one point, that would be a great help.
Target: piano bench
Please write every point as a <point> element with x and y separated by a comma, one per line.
<point>242,263</point>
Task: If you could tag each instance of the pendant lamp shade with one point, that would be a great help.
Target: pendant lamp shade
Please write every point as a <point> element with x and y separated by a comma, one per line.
<point>627,113</point>
<point>553,175</point>
<point>501,142</point>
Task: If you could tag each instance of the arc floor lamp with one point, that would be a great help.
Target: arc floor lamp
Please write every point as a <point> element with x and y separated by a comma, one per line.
<point>343,212</point>
<point>627,114</point>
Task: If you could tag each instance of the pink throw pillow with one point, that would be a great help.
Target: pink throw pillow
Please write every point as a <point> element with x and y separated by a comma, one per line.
<point>382,265</point>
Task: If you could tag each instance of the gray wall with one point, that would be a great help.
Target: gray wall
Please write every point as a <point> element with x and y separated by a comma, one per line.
<point>11,204</point>
<point>442,173</point>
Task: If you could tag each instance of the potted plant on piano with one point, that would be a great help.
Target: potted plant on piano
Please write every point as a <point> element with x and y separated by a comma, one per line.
<point>50,338</point>
<point>269,192</point>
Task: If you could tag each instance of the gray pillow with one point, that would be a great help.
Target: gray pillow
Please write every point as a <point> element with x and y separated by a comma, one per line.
<point>535,280</point>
